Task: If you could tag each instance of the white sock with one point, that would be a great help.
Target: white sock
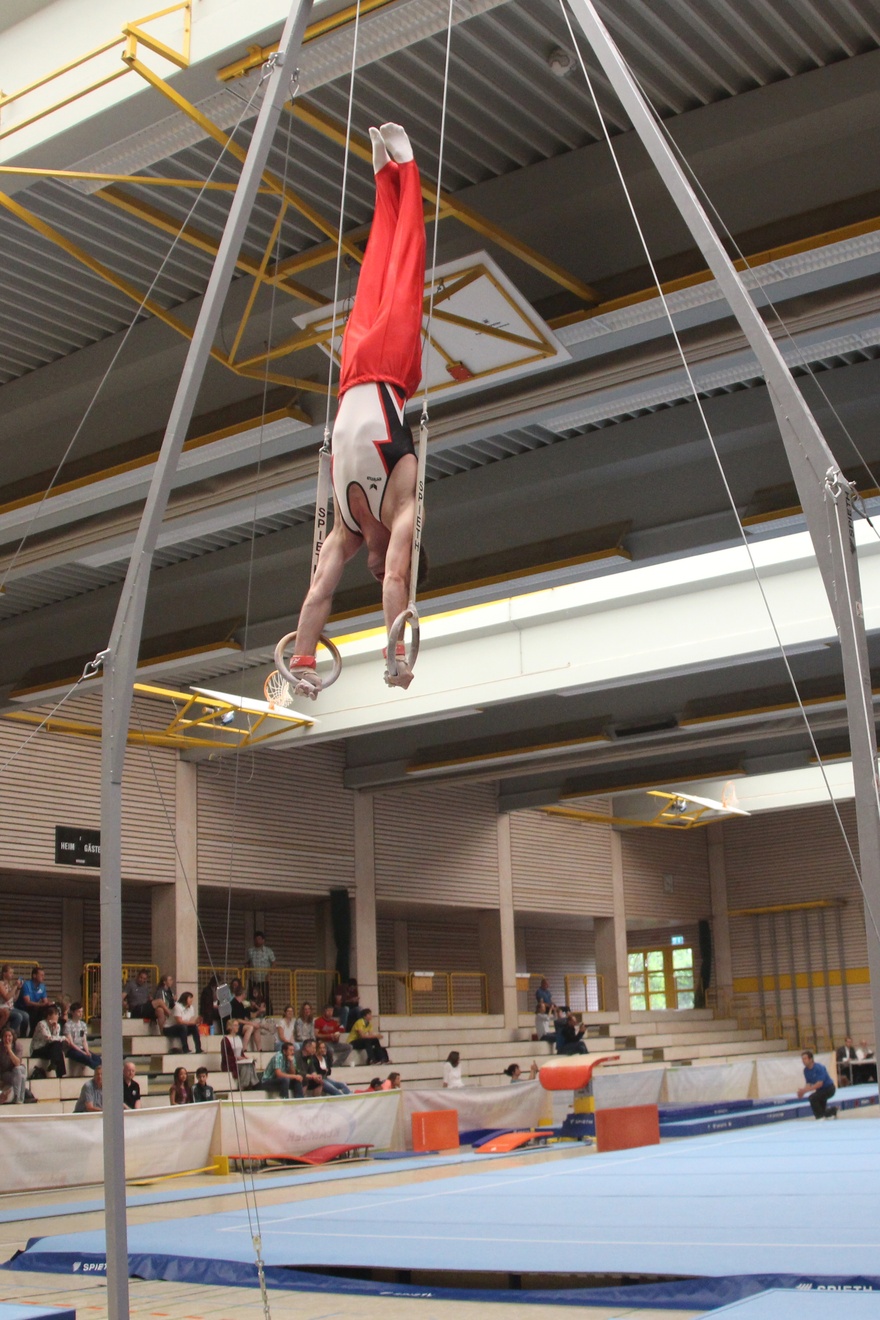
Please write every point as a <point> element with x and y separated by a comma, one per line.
<point>380,152</point>
<point>397,143</point>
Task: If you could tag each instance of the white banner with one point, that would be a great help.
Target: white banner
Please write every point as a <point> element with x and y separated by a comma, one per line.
<point>622,1090</point>
<point>717,1081</point>
<point>783,1076</point>
<point>294,1127</point>
<point>65,1150</point>
<point>517,1105</point>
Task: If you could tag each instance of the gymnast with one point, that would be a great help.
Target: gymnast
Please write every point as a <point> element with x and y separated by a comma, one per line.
<point>374,459</point>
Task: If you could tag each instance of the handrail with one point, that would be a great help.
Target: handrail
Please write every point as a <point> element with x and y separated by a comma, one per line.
<point>91,983</point>
<point>590,986</point>
<point>434,994</point>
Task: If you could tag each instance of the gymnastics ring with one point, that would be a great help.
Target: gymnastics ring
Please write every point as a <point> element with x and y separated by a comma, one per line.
<point>408,616</point>
<point>290,678</point>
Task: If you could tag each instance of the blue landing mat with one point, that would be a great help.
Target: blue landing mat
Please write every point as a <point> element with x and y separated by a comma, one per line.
<point>744,1212</point>
<point>777,1304</point>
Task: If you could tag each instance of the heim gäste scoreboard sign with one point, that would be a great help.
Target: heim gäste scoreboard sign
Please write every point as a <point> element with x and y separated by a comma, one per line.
<point>75,847</point>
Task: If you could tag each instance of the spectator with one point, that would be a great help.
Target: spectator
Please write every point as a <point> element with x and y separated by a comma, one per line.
<point>13,1075</point>
<point>33,998</point>
<point>392,1082</point>
<point>260,960</point>
<point>866,1068</point>
<point>202,1092</point>
<point>162,1002</point>
<point>138,996</point>
<point>514,1072</point>
<point>328,1030</point>
<point>180,1091</point>
<point>240,1010</point>
<point>91,1097</point>
<point>543,997</point>
<point>310,1068</point>
<point>131,1090</point>
<point>304,1027</point>
<point>281,1074</point>
<point>209,1009</point>
<point>340,1012</point>
<point>452,1079</point>
<point>10,989</point>
<point>77,1036</point>
<point>819,1087</point>
<point>361,1037</point>
<point>285,1028</point>
<point>183,1027</point>
<point>571,1036</point>
<point>48,1043</point>
<point>351,998</point>
<point>375,1085</point>
<point>846,1058</point>
<point>545,1025</point>
<point>234,1058</point>
<point>324,1063</point>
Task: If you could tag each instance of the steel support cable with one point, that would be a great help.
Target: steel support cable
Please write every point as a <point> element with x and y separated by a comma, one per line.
<point>729,493</point>
<point>245,113</point>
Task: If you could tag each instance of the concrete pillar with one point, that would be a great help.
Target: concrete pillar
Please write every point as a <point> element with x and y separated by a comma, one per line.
<point>175,924</point>
<point>617,978</point>
<point>491,960</point>
<point>72,949</point>
<point>722,959</point>
<point>365,953</point>
<point>507,924</point>
<point>401,963</point>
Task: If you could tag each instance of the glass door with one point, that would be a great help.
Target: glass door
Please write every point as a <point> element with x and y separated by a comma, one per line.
<point>661,978</point>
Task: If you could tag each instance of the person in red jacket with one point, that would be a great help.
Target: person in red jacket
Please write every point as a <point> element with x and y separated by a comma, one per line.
<point>374,459</point>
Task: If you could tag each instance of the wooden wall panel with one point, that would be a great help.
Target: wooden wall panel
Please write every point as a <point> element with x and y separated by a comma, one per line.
<point>557,953</point>
<point>647,856</point>
<point>32,932</point>
<point>437,844</point>
<point>560,864</point>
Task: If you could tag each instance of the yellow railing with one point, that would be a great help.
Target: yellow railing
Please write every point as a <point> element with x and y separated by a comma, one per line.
<point>433,994</point>
<point>91,983</point>
<point>285,985</point>
<point>585,994</point>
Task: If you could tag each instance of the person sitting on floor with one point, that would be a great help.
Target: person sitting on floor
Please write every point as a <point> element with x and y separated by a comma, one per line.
<point>281,1075</point>
<point>49,1044</point>
<point>362,1037</point>
<point>202,1092</point>
<point>131,1088</point>
<point>180,1091</point>
<point>77,1036</point>
<point>183,1027</point>
<point>91,1097</point>
<point>819,1087</point>
<point>13,1075</point>
<point>233,1056</point>
<point>330,1087</point>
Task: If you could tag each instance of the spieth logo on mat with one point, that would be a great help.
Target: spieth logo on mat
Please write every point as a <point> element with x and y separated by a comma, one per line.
<point>834,1287</point>
<point>89,1267</point>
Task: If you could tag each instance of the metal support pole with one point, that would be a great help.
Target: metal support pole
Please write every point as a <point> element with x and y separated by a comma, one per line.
<point>120,662</point>
<point>825,495</point>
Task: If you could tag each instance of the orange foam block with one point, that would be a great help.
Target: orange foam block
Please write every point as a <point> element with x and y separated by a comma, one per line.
<point>621,1129</point>
<point>435,1129</point>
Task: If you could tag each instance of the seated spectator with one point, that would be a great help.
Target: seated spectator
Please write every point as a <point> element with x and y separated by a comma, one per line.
<point>304,1027</point>
<point>77,1036</point>
<point>329,1030</point>
<point>180,1091</point>
<point>392,1082</point>
<point>131,1090</point>
<point>137,999</point>
<point>351,998</point>
<point>285,1028</point>
<point>233,1056</point>
<point>240,1009</point>
<point>183,1026</point>
<point>162,1002</point>
<point>452,1079</point>
<point>33,998</point>
<point>363,1038</point>
<point>91,1097</point>
<point>324,1063</point>
<point>13,1075</point>
<point>515,1073</point>
<point>340,1012</point>
<point>48,1043</point>
<point>310,1069</point>
<point>202,1092</point>
<point>846,1057</point>
<point>572,1037</point>
<point>866,1068</point>
<point>10,989</point>
<point>375,1085</point>
<point>545,1026</point>
<point>209,1009</point>
<point>281,1075</point>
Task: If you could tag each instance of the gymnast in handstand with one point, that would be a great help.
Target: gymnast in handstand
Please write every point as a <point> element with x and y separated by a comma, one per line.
<point>374,459</point>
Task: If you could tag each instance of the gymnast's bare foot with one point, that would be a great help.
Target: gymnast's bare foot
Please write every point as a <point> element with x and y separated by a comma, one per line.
<point>380,151</point>
<point>397,144</point>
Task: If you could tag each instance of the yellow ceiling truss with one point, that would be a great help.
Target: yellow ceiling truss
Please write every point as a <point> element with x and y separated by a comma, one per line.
<point>199,719</point>
<point>136,44</point>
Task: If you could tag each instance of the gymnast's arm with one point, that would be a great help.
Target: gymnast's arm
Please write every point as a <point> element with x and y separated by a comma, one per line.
<point>340,546</point>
